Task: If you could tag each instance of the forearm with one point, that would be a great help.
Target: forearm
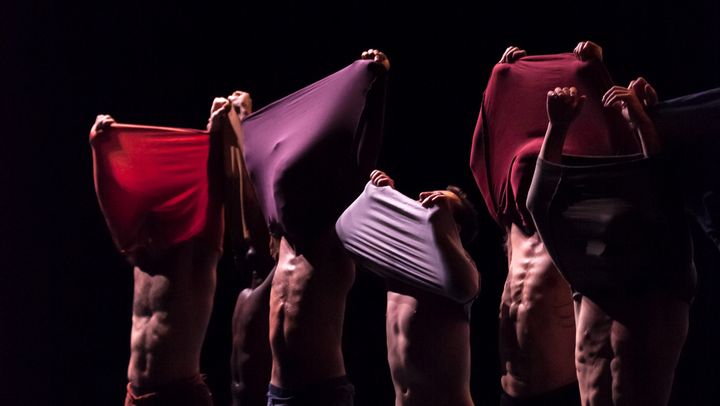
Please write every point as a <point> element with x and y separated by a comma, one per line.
<point>462,282</point>
<point>552,147</point>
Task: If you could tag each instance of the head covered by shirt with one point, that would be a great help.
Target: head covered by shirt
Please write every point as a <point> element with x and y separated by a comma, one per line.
<point>152,184</point>
<point>513,120</point>
<point>309,154</point>
<point>396,237</point>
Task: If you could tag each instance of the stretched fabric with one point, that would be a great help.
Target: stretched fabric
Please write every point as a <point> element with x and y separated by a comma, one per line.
<point>691,127</point>
<point>513,120</point>
<point>613,226</point>
<point>309,154</point>
<point>395,237</point>
<point>152,184</point>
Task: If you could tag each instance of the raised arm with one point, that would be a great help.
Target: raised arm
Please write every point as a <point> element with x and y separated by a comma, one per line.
<point>626,100</point>
<point>462,283</point>
<point>644,91</point>
<point>563,106</point>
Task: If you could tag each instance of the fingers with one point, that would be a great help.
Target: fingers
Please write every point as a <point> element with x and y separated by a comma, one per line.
<point>504,57</point>
<point>612,91</point>
<point>625,100</point>
<point>219,109</point>
<point>644,91</point>
<point>218,103</point>
<point>586,50</point>
<point>517,54</point>
<point>430,199</point>
<point>424,195</point>
<point>103,117</point>
<point>616,95</point>
<point>370,54</point>
<point>102,121</point>
<point>578,49</point>
<point>638,86</point>
<point>375,174</point>
<point>564,104</point>
<point>239,96</point>
<point>385,181</point>
<point>238,93</point>
<point>376,56</point>
<point>651,96</point>
<point>379,178</point>
<point>512,54</point>
<point>564,94</point>
<point>241,102</point>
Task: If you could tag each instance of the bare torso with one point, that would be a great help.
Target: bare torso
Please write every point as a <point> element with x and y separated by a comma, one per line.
<point>172,303</point>
<point>428,341</point>
<point>307,308</point>
<point>537,324</point>
<point>251,359</point>
<point>630,358</point>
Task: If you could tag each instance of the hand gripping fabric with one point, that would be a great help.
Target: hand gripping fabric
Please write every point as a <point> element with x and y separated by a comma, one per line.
<point>395,237</point>
<point>309,153</point>
<point>152,184</point>
<point>513,120</point>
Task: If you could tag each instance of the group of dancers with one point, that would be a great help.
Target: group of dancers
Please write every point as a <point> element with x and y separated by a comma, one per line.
<point>592,183</point>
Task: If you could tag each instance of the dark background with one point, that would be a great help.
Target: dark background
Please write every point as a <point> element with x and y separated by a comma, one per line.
<point>65,293</point>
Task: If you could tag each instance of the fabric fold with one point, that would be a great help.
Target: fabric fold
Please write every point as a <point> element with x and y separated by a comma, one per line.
<point>396,237</point>
<point>152,184</point>
<point>309,153</point>
<point>513,120</point>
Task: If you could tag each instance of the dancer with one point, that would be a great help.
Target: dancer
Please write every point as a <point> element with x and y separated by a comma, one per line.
<point>537,326</point>
<point>304,154</point>
<point>168,220</point>
<point>614,226</point>
<point>428,333</point>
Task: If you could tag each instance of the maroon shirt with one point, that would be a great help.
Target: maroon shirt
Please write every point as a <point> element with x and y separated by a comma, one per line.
<point>513,121</point>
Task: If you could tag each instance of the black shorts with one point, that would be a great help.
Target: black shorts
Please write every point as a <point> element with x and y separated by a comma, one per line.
<point>332,392</point>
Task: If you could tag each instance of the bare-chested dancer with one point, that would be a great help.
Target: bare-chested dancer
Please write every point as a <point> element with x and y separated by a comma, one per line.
<point>537,325</point>
<point>428,336</point>
<point>250,359</point>
<point>307,308</point>
<point>172,300</point>
<point>626,353</point>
